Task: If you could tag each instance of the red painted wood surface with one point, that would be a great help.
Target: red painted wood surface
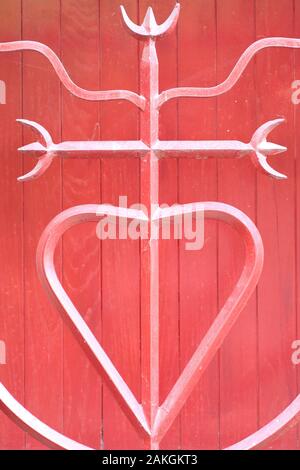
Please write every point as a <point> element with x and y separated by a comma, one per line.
<point>252,378</point>
<point>278,280</point>
<point>81,183</point>
<point>238,394</point>
<point>198,270</point>
<point>43,355</point>
<point>121,265</point>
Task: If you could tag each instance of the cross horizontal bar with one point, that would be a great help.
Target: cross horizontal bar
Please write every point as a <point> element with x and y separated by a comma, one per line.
<point>167,148</point>
<point>88,148</point>
<point>258,148</point>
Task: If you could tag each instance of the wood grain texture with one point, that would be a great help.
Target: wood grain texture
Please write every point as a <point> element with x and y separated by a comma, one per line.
<point>11,225</point>
<point>81,248</point>
<point>238,356</point>
<point>121,263</point>
<point>198,182</point>
<point>276,219</point>
<point>42,200</point>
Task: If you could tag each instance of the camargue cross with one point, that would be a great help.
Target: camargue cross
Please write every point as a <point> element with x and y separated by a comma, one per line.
<point>151,418</point>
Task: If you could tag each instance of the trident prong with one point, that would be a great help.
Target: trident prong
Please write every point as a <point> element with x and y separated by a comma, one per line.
<point>46,158</point>
<point>263,148</point>
<point>40,129</point>
<point>149,28</point>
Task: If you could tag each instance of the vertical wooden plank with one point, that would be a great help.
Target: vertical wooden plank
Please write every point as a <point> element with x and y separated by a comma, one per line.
<point>42,200</point>
<point>120,258</point>
<point>276,221</point>
<point>168,249</point>
<point>296,110</point>
<point>11,226</point>
<point>81,248</point>
<point>236,186</point>
<point>197,182</point>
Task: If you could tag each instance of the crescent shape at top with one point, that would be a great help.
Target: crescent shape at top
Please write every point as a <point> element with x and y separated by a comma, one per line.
<point>149,28</point>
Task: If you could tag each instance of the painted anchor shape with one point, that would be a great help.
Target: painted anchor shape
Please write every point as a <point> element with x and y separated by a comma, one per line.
<point>151,418</point>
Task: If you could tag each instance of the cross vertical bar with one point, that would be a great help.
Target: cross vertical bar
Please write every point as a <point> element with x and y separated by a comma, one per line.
<point>149,174</point>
